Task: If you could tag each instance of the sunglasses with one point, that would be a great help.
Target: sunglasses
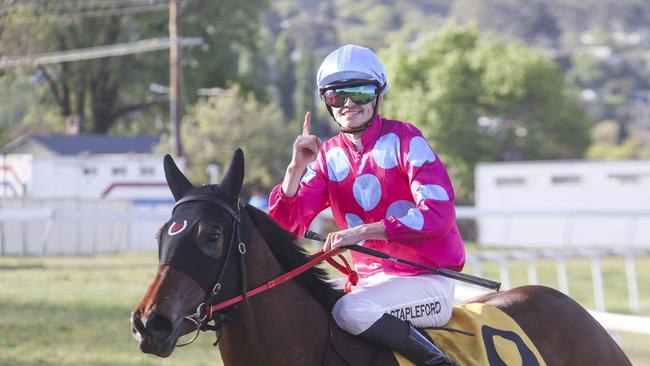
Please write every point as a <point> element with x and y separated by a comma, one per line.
<point>359,95</point>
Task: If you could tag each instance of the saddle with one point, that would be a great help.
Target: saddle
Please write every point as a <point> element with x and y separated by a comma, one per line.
<point>480,335</point>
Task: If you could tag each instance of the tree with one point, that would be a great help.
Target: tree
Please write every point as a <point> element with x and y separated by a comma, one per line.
<point>541,23</point>
<point>285,72</point>
<point>216,126</point>
<point>103,91</point>
<point>478,98</point>
<point>305,90</point>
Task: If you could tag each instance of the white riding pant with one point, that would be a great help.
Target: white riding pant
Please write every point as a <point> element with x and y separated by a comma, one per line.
<point>424,301</point>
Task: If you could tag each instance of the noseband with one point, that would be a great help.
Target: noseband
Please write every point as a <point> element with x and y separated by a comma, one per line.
<point>201,317</point>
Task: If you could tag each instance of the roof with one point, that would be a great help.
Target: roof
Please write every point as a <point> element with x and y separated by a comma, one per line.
<point>87,143</point>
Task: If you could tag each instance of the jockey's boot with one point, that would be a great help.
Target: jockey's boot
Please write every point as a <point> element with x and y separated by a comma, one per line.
<point>402,337</point>
<point>421,351</point>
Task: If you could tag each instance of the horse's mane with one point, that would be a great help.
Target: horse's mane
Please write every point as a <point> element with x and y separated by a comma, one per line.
<point>289,252</point>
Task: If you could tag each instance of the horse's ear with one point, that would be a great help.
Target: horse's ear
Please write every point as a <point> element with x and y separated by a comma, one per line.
<point>177,182</point>
<point>232,182</point>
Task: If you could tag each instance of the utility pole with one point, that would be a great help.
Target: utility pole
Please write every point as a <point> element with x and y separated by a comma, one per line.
<point>175,103</point>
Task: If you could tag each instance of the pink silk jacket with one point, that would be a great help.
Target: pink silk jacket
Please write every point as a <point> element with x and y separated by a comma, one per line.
<point>396,179</point>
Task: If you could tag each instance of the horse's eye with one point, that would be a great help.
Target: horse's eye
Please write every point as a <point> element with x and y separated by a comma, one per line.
<point>209,238</point>
<point>212,235</point>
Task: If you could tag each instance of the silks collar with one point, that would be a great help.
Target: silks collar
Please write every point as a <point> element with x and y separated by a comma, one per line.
<point>368,137</point>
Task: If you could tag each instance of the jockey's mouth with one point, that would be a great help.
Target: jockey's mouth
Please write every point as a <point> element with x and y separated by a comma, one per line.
<point>348,111</point>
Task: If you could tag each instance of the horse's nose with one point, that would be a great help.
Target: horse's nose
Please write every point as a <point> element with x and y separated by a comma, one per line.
<point>158,325</point>
<point>152,337</point>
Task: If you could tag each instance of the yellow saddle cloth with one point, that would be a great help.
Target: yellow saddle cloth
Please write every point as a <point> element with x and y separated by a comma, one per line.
<point>497,339</point>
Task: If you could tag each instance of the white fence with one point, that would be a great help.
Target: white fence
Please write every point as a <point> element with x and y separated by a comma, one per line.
<point>72,226</point>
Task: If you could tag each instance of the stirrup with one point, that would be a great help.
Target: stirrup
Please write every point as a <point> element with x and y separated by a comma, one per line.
<point>421,351</point>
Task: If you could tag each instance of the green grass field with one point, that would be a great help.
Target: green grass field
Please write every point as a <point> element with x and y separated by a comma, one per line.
<point>75,310</point>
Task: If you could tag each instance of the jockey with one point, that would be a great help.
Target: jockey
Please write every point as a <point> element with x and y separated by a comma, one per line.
<point>388,191</point>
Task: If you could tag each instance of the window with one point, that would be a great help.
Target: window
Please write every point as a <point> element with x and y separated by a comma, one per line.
<point>566,179</point>
<point>119,170</point>
<point>147,170</point>
<point>87,170</point>
<point>510,181</point>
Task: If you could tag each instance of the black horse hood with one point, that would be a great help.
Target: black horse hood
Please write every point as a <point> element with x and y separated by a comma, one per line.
<point>229,188</point>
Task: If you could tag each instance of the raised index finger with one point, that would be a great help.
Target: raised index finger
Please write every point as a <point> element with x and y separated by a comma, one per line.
<point>307,125</point>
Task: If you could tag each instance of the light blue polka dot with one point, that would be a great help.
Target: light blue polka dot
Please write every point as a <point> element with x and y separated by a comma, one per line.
<point>431,191</point>
<point>367,191</point>
<point>354,221</point>
<point>309,175</point>
<point>386,151</point>
<point>338,165</point>
<point>406,213</point>
<point>420,152</point>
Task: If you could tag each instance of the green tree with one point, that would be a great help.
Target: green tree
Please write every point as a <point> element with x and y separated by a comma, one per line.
<point>305,93</point>
<point>478,98</point>
<point>214,127</point>
<point>285,73</point>
<point>101,92</point>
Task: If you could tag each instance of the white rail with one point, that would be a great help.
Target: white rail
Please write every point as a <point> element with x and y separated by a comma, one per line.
<point>560,257</point>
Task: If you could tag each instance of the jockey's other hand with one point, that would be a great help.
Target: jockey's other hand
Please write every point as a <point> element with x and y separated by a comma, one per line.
<point>343,237</point>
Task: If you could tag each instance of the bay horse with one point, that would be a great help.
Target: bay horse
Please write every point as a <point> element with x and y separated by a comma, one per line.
<point>213,247</point>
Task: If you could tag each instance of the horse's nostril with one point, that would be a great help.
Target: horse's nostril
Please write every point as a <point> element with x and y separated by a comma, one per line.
<point>137,326</point>
<point>158,323</point>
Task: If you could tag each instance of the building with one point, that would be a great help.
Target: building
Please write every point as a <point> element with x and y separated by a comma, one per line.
<point>84,166</point>
<point>564,204</point>
<point>95,193</point>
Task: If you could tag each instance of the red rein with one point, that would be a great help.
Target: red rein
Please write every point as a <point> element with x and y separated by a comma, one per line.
<point>316,258</point>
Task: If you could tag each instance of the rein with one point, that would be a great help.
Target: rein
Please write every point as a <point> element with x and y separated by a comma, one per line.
<point>316,259</point>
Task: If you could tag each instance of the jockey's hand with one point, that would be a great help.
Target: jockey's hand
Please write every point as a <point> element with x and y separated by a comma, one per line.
<point>306,146</point>
<point>343,237</point>
<point>375,230</point>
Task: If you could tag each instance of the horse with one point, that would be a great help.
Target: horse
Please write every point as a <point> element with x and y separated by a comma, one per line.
<point>213,246</point>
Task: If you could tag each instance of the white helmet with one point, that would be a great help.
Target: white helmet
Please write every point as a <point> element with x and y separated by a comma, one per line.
<point>351,62</point>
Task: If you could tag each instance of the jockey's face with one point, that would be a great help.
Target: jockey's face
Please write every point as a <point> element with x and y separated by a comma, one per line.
<point>351,115</point>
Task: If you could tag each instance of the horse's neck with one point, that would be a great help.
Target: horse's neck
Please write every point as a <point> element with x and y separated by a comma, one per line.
<point>283,326</point>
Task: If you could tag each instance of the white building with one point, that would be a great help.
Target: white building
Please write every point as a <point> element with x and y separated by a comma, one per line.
<point>83,185</point>
<point>86,166</point>
<point>564,203</point>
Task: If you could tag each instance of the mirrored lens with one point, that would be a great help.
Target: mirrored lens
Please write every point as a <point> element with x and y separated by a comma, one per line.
<point>358,95</point>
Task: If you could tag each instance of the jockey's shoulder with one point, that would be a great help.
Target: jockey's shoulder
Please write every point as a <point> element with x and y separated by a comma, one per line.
<point>401,128</point>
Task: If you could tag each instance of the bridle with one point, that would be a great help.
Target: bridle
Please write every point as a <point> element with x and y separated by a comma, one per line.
<point>201,317</point>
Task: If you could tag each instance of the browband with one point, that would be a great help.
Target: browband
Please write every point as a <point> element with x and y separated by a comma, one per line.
<point>209,198</point>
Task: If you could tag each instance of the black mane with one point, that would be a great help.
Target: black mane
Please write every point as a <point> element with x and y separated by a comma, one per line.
<point>289,252</point>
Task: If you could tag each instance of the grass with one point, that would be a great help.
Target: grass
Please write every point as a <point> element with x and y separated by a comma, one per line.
<point>75,310</point>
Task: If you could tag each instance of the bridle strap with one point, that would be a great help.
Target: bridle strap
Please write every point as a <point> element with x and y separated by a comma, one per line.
<point>210,198</point>
<point>235,238</point>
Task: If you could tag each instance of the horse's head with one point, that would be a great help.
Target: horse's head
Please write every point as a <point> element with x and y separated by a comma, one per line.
<point>195,247</point>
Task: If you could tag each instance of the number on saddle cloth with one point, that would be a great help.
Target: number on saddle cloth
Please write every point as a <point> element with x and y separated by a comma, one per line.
<point>488,337</point>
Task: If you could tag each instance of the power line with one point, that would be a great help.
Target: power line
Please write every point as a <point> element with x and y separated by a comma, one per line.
<point>93,13</point>
<point>120,49</point>
<point>80,5</point>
